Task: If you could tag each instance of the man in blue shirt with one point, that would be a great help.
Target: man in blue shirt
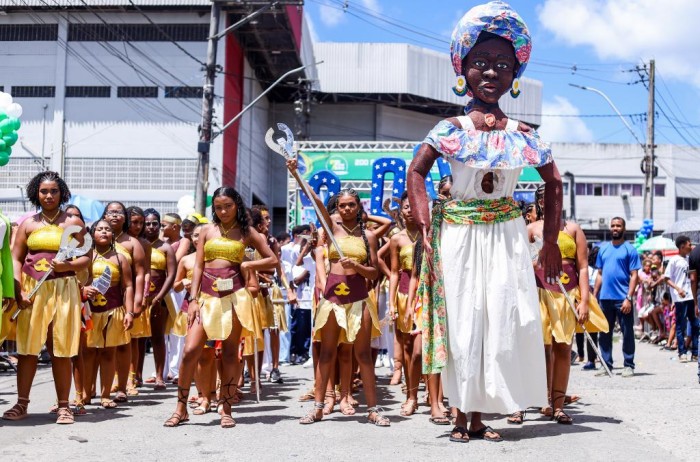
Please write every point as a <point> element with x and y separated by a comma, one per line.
<point>617,262</point>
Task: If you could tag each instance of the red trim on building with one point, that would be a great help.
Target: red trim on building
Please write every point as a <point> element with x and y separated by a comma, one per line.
<point>234,62</point>
<point>295,15</point>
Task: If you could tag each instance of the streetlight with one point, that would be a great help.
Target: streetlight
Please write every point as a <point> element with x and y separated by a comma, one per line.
<point>648,174</point>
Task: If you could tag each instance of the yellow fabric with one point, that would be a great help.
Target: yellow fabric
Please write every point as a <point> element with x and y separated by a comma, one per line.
<point>172,315</point>
<point>401,304</point>
<point>99,265</point>
<point>216,314</point>
<point>142,325</point>
<point>352,246</point>
<point>158,261</point>
<point>179,326</point>
<point>406,257</point>
<point>348,317</point>
<point>280,315</point>
<point>108,329</point>
<point>8,328</point>
<point>224,249</point>
<point>56,302</point>
<point>45,238</point>
<point>121,250</point>
<point>567,246</point>
<point>266,312</point>
<point>558,320</point>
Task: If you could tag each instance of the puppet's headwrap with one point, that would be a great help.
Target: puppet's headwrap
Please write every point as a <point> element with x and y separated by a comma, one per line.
<point>495,17</point>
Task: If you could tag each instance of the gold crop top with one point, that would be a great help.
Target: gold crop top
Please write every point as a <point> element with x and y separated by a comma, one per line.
<point>45,238</point>
<point>567,246</point>
<point>99,265</point>
<point>406,257</point>
<point>121,250</point>
<point>352,246</point>
<point>158,261</point>
<point>222,248</point>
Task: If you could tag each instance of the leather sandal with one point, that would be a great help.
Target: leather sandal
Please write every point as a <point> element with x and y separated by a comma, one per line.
<point>18,411</point>
<point>176,419</point>
<point>311,417</point>
<point>380,420</point>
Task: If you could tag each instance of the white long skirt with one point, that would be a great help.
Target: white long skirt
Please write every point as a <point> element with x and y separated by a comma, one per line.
<point>494,335</point>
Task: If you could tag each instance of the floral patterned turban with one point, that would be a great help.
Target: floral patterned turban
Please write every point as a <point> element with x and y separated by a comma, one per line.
<point>498,18</point>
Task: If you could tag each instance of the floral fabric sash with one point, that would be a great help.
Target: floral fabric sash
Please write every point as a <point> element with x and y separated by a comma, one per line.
<point>431,288</point>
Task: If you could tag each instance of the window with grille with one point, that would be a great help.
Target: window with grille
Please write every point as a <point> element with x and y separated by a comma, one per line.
<point>130,173</point>
<point>33,92</point>
<point>28,32</point>
<point>137,92</point>
<point>183,92</point>
<point>138,32</point>
<point>686,203</point>
<point>88,92</point>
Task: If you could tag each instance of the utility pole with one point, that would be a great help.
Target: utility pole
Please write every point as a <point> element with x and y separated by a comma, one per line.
<point>200,193</point>
<point>649,168</point>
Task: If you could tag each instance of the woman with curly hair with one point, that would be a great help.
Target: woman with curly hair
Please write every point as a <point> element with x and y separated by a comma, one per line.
<point>220,305</point>
<point>52,316</point>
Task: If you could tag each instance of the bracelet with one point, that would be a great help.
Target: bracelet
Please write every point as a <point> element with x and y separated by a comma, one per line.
<point>131,313</point>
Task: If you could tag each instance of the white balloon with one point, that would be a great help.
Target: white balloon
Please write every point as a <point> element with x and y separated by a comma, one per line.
<point>5,99</point>
<point>14,110</point>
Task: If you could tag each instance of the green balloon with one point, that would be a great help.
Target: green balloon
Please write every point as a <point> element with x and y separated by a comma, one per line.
<point>15,123</point>
<point>4,158</point>
<point>5,126</point>
<point>3,116</point>
<point>209,200</point>
<point>10,138</point>
<point>3,145</point>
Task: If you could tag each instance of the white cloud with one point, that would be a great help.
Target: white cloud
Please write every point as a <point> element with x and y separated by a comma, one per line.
<point>631,30</point>
<point>330,15</point>
<point>372,5</point>
<point>563,129</point>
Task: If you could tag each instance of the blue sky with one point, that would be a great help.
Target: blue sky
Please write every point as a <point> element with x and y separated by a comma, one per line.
<point>593,43</point>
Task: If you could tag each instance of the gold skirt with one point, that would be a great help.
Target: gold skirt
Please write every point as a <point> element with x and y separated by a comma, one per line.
<point>348,316</point>
<point>142,325</point>
<point>279,313</point>
<point>261,319</point>
<point>559,322</point>
<point>108,329</point>
<point>216,314</point>
<point>57,302</point>
<point>177,320</point>
<point>8,328</point>
<point>401,304</point>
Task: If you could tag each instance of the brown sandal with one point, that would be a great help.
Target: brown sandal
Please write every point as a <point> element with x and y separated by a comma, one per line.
<point>227,421</point>
<point>561,417</point>
<point>108,404</point>
<point>346,408</point>
<point>176,419</point>
<point>516,418</point>
<point>120,397</point>
<point>65,415</point>
<point>18,411</point>
<point>329,403</point>
<point>311,416</point>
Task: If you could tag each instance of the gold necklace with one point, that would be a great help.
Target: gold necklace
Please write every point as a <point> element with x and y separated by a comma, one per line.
<point>350,232</point>
<point>414,237</point>
<point>224,231</point>
<point>102,254</point>
<point>153,243</point>
<point>49,221</point>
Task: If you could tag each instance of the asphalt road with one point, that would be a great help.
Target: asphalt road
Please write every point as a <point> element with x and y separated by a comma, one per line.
<point>650,416</point>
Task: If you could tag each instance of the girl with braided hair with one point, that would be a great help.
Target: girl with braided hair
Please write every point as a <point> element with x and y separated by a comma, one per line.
<point>163,268</point>
<point>345,312</point>
<point>52,316</point>
<point>220,302</point>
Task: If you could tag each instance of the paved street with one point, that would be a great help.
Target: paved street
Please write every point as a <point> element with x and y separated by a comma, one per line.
<point>650,416</point>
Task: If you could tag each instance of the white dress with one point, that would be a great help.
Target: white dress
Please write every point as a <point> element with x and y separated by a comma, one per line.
<point>494,335</point>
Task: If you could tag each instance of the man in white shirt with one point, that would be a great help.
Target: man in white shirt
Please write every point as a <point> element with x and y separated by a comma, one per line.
<point>304,277</point>
<point>678,280</point>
